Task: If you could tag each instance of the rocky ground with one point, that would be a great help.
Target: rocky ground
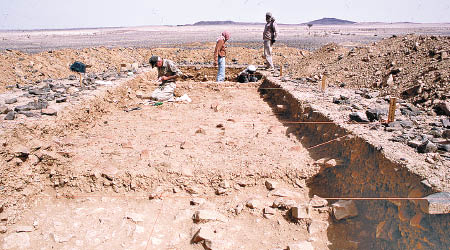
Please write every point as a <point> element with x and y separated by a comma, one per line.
<point>92,145</point>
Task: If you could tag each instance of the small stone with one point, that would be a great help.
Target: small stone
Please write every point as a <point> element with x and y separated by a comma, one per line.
<point>269,210</point>
<point>200,131</point>
<point>414,143</point>
<point>304,245</point>
<point>283,203</point>
<point>271,184</point>
<point>238,209</point>
<point>438,203</point>
<point>49,111</point>
<point>344,209</point>
<point>300,211</point>
<point>442,108</point>
<point>221,191</point>
<point>317,201</point>
<point>62,99</point>
<point>197,201</point>
<point>4,110</point>
<point>202,216</point>
<point>427,147</point>
<point>61,238</point>
<point>10,116</point>
<point>11,101</point>
<point>204,233</point>
<point>186,145</point>
<point>286,193</point>
<point>135,217</point>
<point>374,114</point>
<point>317,226</point>
<point>358,117</point>
<point>253,204</point>
<point>16,241</point>
<point>21,229</point>
<point>390,80</point>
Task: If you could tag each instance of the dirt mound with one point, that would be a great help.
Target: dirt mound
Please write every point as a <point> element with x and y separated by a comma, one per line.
<point>24,68</point>
<point>412,67</point>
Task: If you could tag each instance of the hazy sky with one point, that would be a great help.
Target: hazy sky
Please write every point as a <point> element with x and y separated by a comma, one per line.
<point>48,14</point>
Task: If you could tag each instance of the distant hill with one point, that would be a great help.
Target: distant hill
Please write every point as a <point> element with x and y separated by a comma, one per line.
<point>222,23</point>
<point>329,21</point>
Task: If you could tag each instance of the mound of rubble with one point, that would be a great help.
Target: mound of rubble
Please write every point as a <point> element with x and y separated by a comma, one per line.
<point>412,67</point>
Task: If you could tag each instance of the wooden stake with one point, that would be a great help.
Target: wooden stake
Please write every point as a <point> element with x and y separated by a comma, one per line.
<point>392,107</point>
<point>281,70</point>
<point>81,79</point>
<point>324,83</point>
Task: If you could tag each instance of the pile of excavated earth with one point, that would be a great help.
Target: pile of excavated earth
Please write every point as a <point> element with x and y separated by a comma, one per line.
<point>217,169</point>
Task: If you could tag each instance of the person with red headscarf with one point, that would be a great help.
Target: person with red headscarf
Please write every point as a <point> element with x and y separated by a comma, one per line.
<point>219,55</point>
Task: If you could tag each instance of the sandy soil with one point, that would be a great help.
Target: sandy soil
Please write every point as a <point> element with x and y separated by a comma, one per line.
<point>66,177</point>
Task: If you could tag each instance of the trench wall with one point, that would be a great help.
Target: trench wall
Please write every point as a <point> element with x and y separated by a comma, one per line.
<point>362,171</point>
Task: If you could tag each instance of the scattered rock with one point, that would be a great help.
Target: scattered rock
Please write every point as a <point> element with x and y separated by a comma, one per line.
<point>375,114</point>
<point>197,201</point>
<point>358,117</point>
<point>286,193</point>
<point>134,217</point>
<point>10,116</point>
<point>283,203</point>
<point>21,229</point>
<point>438,203</point>
<point>61,238</point>
<point>221,191</point>
<point>253,204</point>
<point>271,184</point>
<point>49,111</point>
<point>238,209</point>
<point>390,80</point>
<point>304,245</point>
<point>414,143</point>
<point>200,131</point>
<point>204,233</point>
<point>268,212</point>
<point>317,226</point>
<point>344,209</point>
<point>317,201</point>
<point>427,147</point>
<point>186,145</point>
<point>17,241</point>
<point>11,101</point>
<point>4,110</point>
<point>202,216</point>
<point>300,211</point>
<point>442,108</point>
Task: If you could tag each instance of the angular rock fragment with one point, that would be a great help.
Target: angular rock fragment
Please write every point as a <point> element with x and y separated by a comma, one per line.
<point>344,209</point>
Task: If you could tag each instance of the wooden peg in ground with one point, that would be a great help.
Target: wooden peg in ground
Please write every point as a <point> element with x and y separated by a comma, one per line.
<point>392,107</point>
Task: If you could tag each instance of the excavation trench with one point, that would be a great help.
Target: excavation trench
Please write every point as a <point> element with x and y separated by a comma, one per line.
<point>362,171</point>
<point>107,157</point>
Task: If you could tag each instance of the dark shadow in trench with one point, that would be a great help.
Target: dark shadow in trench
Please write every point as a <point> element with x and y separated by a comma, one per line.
<point>360,177</point>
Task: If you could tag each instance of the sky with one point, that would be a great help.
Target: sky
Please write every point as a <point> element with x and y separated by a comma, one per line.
<point>60,14</point>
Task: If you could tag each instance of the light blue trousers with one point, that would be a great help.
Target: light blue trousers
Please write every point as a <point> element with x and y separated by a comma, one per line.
<point>221,70</point>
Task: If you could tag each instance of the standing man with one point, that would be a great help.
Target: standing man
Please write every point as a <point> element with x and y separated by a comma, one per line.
<point>219,55</point>
<point>269,36</point>
<point>167,73</point>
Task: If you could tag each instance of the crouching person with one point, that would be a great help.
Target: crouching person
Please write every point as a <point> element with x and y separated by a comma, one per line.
<point>248,75</point>
<point>167,74</point>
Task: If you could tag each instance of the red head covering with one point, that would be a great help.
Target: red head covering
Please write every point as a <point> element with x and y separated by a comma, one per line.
<point>226,35</point>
